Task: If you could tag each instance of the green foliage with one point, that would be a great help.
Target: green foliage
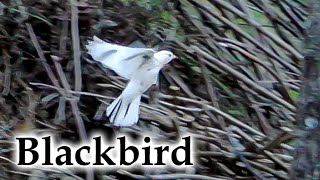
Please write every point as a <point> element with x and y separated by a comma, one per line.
<point>147,4</point>
<point>260,17</point>
<point>162,20</point>
<point>167,17</point>
<point>13,9</point>
<point>238,112</point>
<point>190,10</point>
<point>224,87</point>
<point>294,94</point>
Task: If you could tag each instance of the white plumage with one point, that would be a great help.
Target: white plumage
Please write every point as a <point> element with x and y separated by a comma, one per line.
<point>140,66</point>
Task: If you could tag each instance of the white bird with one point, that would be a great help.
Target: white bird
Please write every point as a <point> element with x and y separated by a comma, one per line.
<point>141,66</point>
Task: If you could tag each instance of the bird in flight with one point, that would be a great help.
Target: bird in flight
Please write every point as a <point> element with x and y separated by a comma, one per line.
<point>141,66</point>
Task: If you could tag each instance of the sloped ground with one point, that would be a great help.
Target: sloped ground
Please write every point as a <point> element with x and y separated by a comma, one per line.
<point>234,87</point>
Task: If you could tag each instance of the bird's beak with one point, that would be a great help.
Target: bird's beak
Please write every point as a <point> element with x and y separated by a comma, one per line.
<point>175,57</point>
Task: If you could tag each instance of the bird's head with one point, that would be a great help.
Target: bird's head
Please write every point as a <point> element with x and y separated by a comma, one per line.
<point>164,57</point>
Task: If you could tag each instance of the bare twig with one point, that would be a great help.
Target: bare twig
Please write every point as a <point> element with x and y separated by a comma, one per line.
<point>76,45</point>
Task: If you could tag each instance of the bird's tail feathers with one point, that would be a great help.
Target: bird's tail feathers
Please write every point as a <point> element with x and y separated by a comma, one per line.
<point>123,113</point>
<point>114,106</point>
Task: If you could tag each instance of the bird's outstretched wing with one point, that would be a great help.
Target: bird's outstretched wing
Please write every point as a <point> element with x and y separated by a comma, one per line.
<point>123,60</point>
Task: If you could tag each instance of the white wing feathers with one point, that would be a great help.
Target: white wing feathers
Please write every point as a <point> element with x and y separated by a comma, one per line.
<point>123,60</point>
